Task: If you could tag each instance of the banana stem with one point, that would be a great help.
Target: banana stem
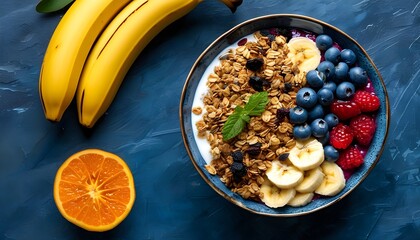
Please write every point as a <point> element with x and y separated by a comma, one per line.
<point>232,4</point>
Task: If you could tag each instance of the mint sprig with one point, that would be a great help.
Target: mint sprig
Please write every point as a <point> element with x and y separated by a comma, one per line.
<point>237,121</point>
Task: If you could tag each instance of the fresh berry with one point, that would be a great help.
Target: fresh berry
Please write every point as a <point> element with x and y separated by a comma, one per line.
<point>325,96</point>
<point>363,127</point>
<point>302,132</point>
<point>350,158</point>
<point>316,112</point>
<point>366,101</point>
<point>341,71</point>
<point>330,85</point>
<point>254,64</point>
<point>298,115</point>
<point>323,42</point>
<point>341,136</point>
<point>330,153</point>
<point>332,54</point>
<point>325,140</point>
<point>315,79</point>
<point>332,120</point>
<point>319,127</point>
<point>358,76</point>
<point>348,56</point>
<point>345,109</point>
<point>345,90</point>
<point>237,156</point>
<point>306,97</point>
<point>327,68</point>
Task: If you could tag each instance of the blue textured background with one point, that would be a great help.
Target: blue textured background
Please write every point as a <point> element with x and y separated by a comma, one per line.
<point>142,126</point>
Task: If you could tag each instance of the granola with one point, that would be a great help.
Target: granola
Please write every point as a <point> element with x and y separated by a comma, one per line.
<point>265,138</point>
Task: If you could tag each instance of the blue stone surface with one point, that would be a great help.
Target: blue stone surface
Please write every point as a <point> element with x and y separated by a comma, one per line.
<point>142,126</point>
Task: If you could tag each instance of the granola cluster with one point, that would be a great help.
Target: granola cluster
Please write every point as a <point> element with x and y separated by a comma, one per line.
<point>266,137</point>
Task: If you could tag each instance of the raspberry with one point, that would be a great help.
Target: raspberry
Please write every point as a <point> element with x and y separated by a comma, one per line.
<point>341,136</point>
<point>345,109</point>
<point>366,101</point>
<point>350,158</point>
<point>363,127</point>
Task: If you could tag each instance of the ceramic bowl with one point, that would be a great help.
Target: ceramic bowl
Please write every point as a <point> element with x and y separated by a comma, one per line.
<point>233,35</point>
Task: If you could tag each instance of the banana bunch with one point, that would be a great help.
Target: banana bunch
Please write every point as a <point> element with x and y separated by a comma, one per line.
<point>94,46</point>
<point>304,53</point>
<point>295,181</point>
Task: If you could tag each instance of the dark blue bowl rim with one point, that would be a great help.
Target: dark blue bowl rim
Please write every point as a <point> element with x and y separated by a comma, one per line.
<point>183,110</point>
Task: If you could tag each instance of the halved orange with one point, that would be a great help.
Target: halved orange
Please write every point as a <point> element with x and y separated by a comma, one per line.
<point>94,189</point>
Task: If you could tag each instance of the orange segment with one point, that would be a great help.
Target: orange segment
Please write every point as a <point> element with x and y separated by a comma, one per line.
<point>94,189</point>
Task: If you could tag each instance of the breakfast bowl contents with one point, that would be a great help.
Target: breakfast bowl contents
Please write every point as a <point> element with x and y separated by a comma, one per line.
<point>284,115</point>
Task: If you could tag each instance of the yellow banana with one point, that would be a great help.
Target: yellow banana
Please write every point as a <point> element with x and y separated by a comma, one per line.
<point>68,49</point>
<point>119,45</point>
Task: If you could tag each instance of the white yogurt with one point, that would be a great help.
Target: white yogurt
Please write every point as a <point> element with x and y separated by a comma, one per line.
<point>201,91</point>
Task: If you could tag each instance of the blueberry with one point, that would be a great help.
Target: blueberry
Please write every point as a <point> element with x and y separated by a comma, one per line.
<point>254,64</point>
<point>327,68</point>
<point>325,139</point>
<point>341,71</point>
<point>323,42</point>
<point>237,156</point>
<point>315,79</point>
<point>330,153</point>
<point>306,97</point>
<point>331,119</point>
<point>302,132</point>
<point>331,86</point>
<point>358,76</point>
<point>256,83</point>
<point>316,112</point>
<point>344,90</point>
<point>319,127</point>
<point>333,55</point>
<point>348,56</point>
<point>298,115</point>
<point>325,96</point>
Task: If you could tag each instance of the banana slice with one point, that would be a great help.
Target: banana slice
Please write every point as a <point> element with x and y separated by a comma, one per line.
<point>301,199</point>
<point>283,175</point>
<point>334,180</point>
<point>275,197</point>
<point>311,181</point>
<point>307,154</point>
<point>304,52</point>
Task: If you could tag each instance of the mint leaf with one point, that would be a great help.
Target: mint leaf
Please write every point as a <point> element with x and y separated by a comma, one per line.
<point>47,6</point>
<point>256,104</point>
<point>237,121</point>
<point>234,124</point>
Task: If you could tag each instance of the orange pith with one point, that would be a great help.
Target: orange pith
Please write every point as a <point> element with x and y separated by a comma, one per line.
<point>94,189</point>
